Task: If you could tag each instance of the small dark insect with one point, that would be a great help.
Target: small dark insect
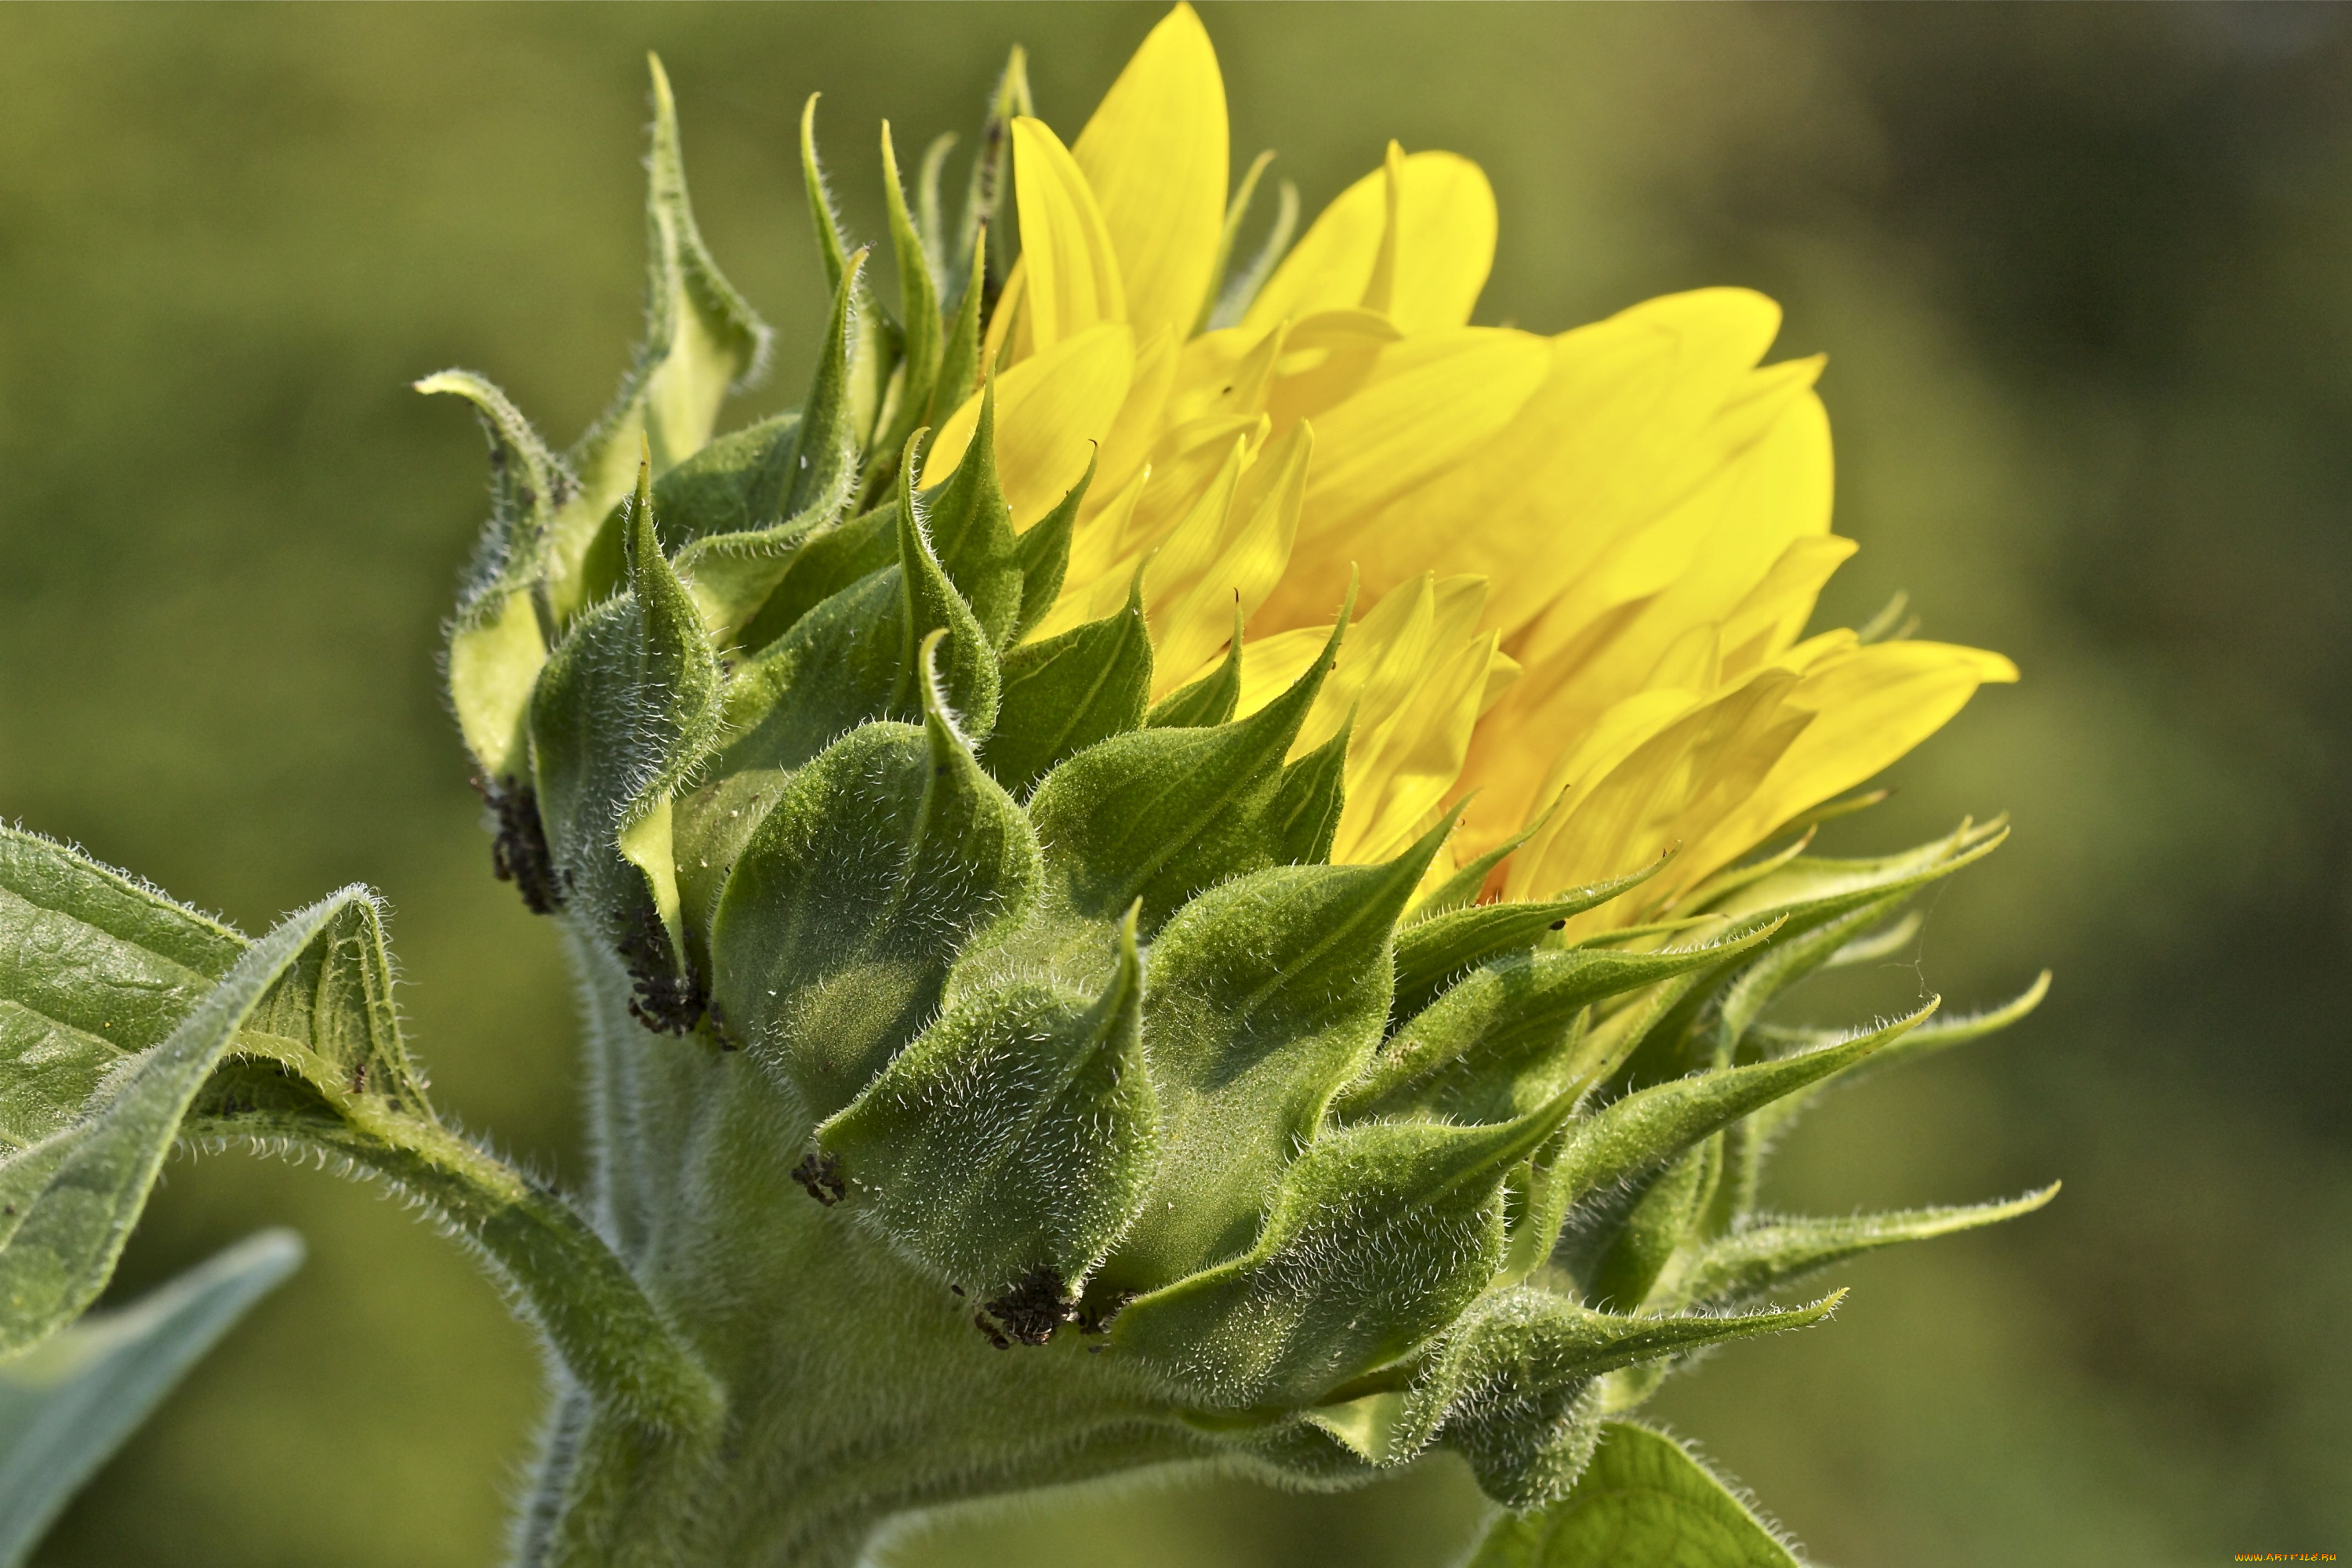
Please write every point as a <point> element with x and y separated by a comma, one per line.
<point>1033,1307</point>
<point>1094,1316</point>
<point>956,1289</point>
<point>980,1320</point>
<point>666,1001</point>
<point>1559,925</point>
<point>359,1077</point>
<point>819,1174</point>
<point>519,854</point>
<point>714,1025</point>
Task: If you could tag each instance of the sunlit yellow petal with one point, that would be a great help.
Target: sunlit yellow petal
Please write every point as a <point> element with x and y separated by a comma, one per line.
<point>1873,704</point>
<point>1212,563</point>
<point>1050,411</point>
<point>1155,154</point>
<point>1073,272</point>
<point>1444,247</point>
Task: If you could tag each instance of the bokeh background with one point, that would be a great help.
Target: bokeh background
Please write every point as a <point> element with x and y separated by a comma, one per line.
<point>2085,275</point>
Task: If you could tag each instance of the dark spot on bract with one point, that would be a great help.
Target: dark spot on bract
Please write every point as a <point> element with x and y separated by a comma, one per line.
<point>819,1174</point>
<point>519,854</point>
<point>1560,925</point>
<point>1033,1309</point>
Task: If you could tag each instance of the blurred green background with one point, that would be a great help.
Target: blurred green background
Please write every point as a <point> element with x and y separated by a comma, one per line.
<point>2083,275</point>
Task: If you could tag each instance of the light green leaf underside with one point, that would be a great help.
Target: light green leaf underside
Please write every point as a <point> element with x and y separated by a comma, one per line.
<point>1643,1502</point>
<point>68,1403</point>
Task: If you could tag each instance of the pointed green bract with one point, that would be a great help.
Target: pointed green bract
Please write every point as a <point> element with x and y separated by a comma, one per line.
<point>1064,694</point>
<point>1160,814</point>
<point>1265,994</point>
<point>1016,1135</point>
<point>831,940</point>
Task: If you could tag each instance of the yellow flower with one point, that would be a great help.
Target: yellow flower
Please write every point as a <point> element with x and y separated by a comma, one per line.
<point>1583,563</point>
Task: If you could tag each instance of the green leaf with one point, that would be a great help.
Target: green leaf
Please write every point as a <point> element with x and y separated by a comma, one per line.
<point>1070,691</point>
<point>960,352</point>
<point>1436,950</point>
<point>66,1404</point>
<point>701,342</point>
<point>1308,801</point>
<point>1644,1502</point>
<point>128,995</point>
<point>1266,993</point>
<point>1377,1238</point>
<point>973,683</point>
<point>835,929</point>
<point>1016,1134</point>
<point>835,559</point>
<point>626,708</point>
<point>70,1200</point>
<point>1160,813</point>
<point>94,966</point>
<point>497,640</point>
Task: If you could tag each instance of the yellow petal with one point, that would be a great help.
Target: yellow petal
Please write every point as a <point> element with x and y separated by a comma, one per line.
<point>1433,400</point>
<point>1689,775</point>
<point>1051,410</point>
<point>1073,276</point>
<point>1211,564</point>
<point>1873,704</point>
<point>1443,246</point>
<point>1155,154</point>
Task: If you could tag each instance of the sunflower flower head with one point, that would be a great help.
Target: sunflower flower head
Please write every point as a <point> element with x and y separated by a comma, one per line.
<point>1192,811</point>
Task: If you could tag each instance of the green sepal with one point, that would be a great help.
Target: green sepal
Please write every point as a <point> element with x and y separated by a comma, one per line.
<point>1514,1382</point>
<point>851,659</point>
<point>1763,1256</point>
<point>701,342</point>
<point>626,709</point>
<point>991,180</point>
<point>973,682</point>
<point>1016,1134</point>
<point>1266,993</point>
<point>1160,813</point>
<point>918,312</point>
<point>1438,950</point>
<point>1643,1501</point>
<point>68,1403</point>
<point>1468,883</point>
<point>1378,1237</point>
<point>971,530</point>
<point>874,345</point>
<point>837,924</point>
<point>1506,1038</point>
<point>1789,960</point>
<point>738,540</point>
<point>1208,701</point>
<point>1044,549</point>
<point>1632,1137</point>
<point>1309,800</point>
<point>959,374</point>
<point>497,640</point>
<point>834,560</point>
<point>1672,1207</point>
<point>1064,694</point>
